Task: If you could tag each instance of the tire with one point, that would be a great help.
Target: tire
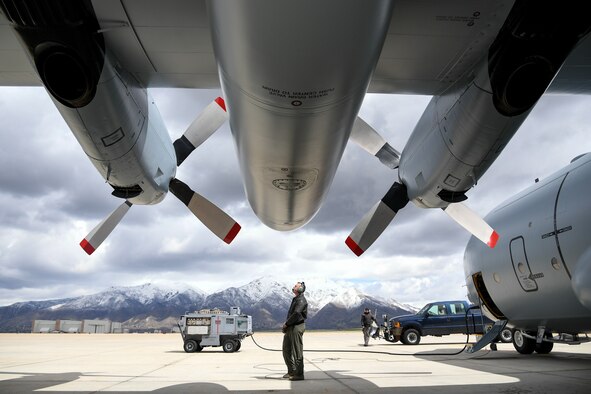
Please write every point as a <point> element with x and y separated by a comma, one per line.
<point>522,344</point>
<point>506,336</point>
<point>238,345</point>
<point>390,338</point>
<point>545,347</point>
<point>190,346</point>
<point>229,346</point>
<point>411,337</point>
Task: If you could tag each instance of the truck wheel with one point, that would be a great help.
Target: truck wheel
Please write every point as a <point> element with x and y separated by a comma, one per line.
<point>190,346</point>
<point>198,348</point>
<point>506,336</point>
<point>229,346</point>
<point>238,344</point>
<point>411,337</point>
<point>522,344</point>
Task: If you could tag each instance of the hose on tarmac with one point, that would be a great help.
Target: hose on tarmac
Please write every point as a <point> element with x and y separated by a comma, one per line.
<point>382,352</point>
<point>369,351</point>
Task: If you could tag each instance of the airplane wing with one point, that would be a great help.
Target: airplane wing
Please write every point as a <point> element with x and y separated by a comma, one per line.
<point>429,45</point>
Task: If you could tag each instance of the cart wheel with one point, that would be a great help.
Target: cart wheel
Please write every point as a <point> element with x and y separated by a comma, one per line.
<point>229,346</point>
<point>190,346</point>
<point>238,344</point>
<point>390,337</point>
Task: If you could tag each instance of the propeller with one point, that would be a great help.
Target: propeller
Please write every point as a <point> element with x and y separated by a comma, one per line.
<point>468,219</point>
<point>211,119</point>
<point>102,230</point>
<point>369,139</point>
<point>220,223</point>
<point>373,224</point>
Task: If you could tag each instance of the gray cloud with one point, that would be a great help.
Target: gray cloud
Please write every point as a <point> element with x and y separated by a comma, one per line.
<point>51,196</point>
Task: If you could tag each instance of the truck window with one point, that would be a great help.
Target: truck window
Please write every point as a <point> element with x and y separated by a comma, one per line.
<point>457,309</point>
<point>437,310</point>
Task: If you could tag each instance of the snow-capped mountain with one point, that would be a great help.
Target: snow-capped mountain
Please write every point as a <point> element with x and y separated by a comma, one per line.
<point>146,294</point>
<point>330,305</point>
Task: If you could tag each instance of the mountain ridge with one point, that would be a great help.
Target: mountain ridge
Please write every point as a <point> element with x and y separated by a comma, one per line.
<point>331,305</point>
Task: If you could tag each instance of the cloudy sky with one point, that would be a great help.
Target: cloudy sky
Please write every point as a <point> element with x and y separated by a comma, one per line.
<point>51,197</point>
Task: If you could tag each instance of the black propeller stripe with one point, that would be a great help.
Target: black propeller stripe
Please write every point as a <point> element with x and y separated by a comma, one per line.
<point>181,191</point>
<point>397,197</point>
<point>183,148</point>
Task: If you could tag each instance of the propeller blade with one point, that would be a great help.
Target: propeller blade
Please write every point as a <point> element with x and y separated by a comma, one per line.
<point>369,139</point>
<point>219,222</point>
<point>210,119</point>
<point>373,224</point>
<point>468,219</point>
<point>98,234</point>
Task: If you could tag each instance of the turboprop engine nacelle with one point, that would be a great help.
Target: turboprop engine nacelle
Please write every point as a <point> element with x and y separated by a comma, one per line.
<point>109,113</point>
<point>464,129</point>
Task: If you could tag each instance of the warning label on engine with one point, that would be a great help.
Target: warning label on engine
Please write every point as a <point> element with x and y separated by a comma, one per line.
<point>297,94</point>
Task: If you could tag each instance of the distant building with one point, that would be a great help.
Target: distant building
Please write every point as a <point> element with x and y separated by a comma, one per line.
<point>71,326</point>
<point>116,327</point>
<point>77,326</point>
<point>96,326</point>
<point>43,326</point>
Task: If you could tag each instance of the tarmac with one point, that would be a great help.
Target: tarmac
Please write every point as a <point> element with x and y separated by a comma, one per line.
<point>335,362</point>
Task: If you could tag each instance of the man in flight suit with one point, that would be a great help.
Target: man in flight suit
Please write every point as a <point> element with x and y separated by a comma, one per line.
<point>366,322</point>
<point>293,328</point>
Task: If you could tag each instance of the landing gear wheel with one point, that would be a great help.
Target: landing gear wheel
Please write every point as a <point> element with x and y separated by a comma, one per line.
<point>545,347</point>
<point>190,346</point>
<point>229,346</point>
<point>522,344</point>
<point>506,336</point>
<point>411,337</point>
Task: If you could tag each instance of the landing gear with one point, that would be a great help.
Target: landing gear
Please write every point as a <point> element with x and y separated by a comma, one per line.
<point>523,344</point>
<point>545,347</point>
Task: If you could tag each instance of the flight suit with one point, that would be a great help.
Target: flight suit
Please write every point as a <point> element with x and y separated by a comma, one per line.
<point>293,340</point>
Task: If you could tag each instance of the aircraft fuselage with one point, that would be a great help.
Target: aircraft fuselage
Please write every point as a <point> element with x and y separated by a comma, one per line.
<point>539,274</point>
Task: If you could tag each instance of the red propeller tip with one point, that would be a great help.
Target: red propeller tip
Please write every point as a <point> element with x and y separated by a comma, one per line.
<point>220,101</point>
<point>88,248</point>
<point>353,246</point>
<point>232,233</point>
<point>494,237</point>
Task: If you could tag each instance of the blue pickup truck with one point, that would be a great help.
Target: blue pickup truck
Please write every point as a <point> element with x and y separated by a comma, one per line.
<point>439,318</point>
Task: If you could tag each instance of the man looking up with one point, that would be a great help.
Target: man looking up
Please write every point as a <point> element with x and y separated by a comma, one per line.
<point>293,328</point>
